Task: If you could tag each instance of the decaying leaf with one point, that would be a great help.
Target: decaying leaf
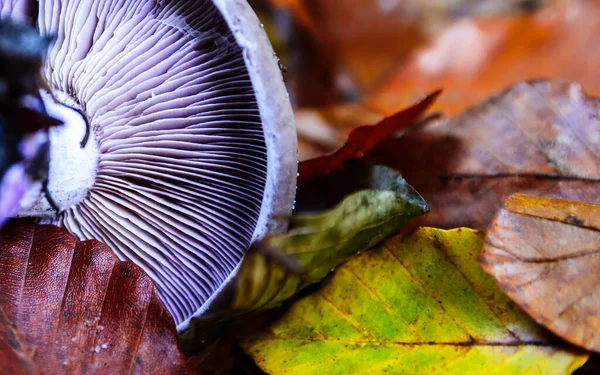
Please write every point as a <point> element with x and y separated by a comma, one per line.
<point>555,42</point>
<point>362,39</point>
<point>418,304</point>
<point>544,254</point>
<point>352,39</point>
<point>73,307</point>
<point>540,138</point>
<point>326,192</point>
<point>335,217</point>
<point>363,139</point>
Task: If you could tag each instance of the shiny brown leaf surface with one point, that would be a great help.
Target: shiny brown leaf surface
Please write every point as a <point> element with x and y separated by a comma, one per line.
<point>539,138</point>
<point>544,254</point>
<point>73,307</point>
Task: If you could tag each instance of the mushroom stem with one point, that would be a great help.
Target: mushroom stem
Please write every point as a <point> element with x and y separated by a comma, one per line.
<point>73,163</point>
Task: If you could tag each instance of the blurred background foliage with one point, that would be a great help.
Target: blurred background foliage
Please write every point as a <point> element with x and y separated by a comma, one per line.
<point>338,49</point>
<point>349,63</point>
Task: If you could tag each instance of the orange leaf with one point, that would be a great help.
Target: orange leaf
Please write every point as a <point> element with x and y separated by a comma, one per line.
<point>474,58</point>
<point>75,308</point>
<point>544,254</point>
<point>537,138</point>
<point>364,139</point>
<point>360,39</point>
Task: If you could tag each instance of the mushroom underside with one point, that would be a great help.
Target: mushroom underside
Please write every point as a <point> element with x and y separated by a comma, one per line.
<point>169,154</point>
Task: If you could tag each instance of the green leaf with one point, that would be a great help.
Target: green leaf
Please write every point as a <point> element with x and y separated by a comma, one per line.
<point>277,267</point>
<point>417,304</point>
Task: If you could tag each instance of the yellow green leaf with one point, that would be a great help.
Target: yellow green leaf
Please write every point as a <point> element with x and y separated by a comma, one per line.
<point>416,304</point>
<point>277,267</point>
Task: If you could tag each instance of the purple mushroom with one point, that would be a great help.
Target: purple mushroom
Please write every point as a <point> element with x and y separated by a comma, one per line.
<point>178,148</point>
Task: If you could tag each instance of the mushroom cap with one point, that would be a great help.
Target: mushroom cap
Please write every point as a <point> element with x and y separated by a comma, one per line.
<point>192,153</point>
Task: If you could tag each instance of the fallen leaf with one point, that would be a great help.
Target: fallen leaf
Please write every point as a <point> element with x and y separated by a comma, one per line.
<point>538,138</point>
<point>364,139</point>
<point>75,308</point>
<point>326,192</point>
<point>417,304</point>
<point>559,41</point>
<point>544,254</point>
<point>502,51</point>
<point>323,130</point>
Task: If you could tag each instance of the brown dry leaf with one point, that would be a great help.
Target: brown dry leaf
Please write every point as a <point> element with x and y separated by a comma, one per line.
<point>544,254</point>
<point>540,138</point>
<point>474,58</point>
<point>73,307</point>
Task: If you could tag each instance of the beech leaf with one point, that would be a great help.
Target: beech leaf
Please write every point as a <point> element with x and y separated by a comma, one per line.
<point>73,307</point>
<point>416,304</point>
<point>544,254</point>
<point>536,138</point>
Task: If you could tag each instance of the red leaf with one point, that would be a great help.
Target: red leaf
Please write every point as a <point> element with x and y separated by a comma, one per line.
<point>73,307</point>
<point>364,139</point>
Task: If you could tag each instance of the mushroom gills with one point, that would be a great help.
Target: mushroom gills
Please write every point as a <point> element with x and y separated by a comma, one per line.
<point>191,149</point>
